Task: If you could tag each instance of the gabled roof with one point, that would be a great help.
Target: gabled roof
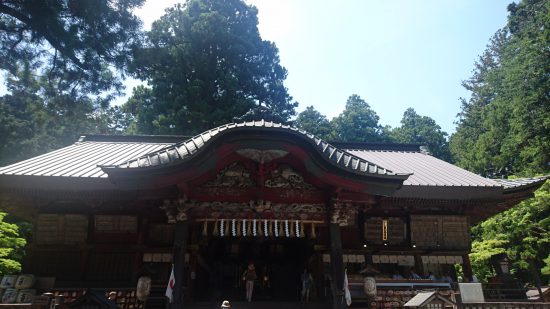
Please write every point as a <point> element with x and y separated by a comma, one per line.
<point>185,150</point>
<point>423,298</point>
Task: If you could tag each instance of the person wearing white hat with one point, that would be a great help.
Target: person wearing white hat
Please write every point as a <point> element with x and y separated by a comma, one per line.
<point>225,304</point>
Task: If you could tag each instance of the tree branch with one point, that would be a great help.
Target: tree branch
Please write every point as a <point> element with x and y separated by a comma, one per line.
<point>43,32</point>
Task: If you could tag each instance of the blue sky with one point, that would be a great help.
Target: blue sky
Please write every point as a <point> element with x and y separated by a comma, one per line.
<point>394,54</point>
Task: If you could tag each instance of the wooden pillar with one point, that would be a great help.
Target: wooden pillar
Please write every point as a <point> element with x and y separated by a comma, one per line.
<point>336,259</point>
<point>467,268</point>
<point>180,246</point>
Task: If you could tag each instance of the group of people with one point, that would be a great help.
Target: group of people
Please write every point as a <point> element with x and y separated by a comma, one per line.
<point>249,276</point>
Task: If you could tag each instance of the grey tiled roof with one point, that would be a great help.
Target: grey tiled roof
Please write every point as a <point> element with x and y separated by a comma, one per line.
<point>81,159</point>
<point>427,170</point>
<point>513,184</point>
<point>187,149</point>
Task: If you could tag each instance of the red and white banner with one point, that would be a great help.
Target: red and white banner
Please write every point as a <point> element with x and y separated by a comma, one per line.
<point>170,288</point>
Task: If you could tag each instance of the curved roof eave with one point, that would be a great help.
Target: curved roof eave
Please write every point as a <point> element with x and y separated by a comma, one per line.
<point>190,148</point>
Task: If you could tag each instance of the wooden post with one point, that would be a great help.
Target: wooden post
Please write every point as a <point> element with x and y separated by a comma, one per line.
<point>180,244</point>
<point>336,260</point>
<point>467,268</point>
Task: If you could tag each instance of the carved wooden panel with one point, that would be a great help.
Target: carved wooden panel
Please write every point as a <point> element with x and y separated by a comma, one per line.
<point>440,232</point>
<point>61,229</point>
<point>284,176</point>
<point>234,175</point>
<point>395,230</point>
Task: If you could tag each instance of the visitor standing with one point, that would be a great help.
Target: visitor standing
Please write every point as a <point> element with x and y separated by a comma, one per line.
<point>307,281</point>
<point>249,276</point>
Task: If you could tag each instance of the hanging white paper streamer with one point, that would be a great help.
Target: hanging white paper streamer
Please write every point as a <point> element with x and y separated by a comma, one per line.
<point>244,227</point>
<point>222,228</point>
<point>297,229</point>
<point>276,229</point>
<point>286,229</point>
<point>254,227</point>
<point>266,234</point>
<point>234,227</point>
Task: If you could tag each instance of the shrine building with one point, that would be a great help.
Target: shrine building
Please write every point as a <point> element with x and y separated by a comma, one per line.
<point>109,209</point>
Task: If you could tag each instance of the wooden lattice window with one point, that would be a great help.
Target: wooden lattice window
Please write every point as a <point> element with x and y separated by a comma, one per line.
<point>116,224</point>
<point>61,229</point>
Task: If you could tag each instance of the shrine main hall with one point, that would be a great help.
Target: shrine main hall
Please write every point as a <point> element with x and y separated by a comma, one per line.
<point>108,210</point>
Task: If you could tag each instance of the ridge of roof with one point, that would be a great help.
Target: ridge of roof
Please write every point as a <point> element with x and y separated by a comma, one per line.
<point>378,146</point>
<point>158,139</point>
<point>186,149</point>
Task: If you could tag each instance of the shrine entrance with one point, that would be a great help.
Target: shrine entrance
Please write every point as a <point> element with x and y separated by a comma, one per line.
<point>278,263</point>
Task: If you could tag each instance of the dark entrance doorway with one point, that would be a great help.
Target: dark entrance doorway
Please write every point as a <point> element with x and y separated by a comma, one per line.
<point>278,263</point>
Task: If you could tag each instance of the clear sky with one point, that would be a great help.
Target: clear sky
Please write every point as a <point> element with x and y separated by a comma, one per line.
<point>394,54</point>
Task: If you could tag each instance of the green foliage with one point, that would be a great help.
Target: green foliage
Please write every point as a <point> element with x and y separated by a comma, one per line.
<point>36,117</point>
<point>81,43</point>
<point>206,63</point>
<point>522,232</point>
<point>11,247</point>
<point>313,122</point>
<point>357,123</point>
<point>422,130</point>
<point>504,128</point>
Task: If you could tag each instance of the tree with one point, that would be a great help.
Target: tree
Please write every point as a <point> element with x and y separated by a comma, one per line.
<point>81,43</point>
<point>313,122</point>
<point>423,130</point>
<point>504,127</point>
<point>206,63</point>
<point>357,123</point>
<point>11,247</point>
<point>523,233</point>
<point>36,118</point>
